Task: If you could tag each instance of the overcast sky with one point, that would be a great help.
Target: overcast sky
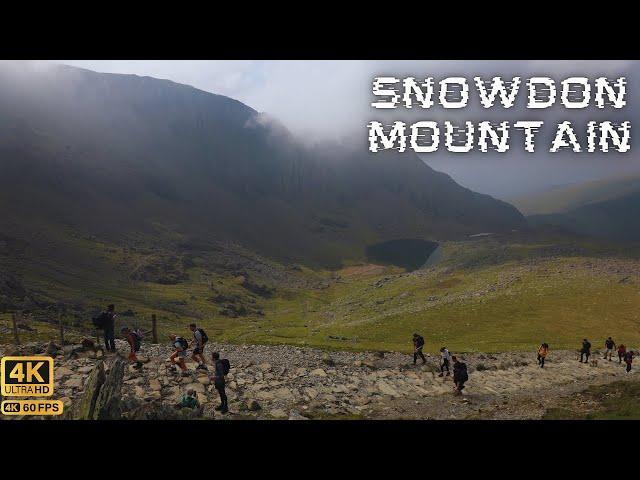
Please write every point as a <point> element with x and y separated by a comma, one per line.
<point>319,100</point>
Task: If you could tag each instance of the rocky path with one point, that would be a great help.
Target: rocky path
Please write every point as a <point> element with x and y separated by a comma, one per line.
<point>281,382</point>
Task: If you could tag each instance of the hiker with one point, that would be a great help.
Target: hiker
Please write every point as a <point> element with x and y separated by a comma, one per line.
<point>542,354</point>
<point>621,351</point>
<point>418,343</point>
<point>585,351</point>
<point>134,340</point>
<point>200,338</point>
<point>628,359</point>
<point>609,345</point>
<point>220,368</point>
<point>177,357</point>
<point>109,326</point>
<point>189,400</point>
<point>460,375</point>
<point>445,357</point>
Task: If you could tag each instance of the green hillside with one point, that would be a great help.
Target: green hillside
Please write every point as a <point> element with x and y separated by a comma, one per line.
<point>483,295</point>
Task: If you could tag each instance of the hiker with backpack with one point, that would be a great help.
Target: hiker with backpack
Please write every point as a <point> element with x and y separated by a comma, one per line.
<point>221,369</point>
<point>543,351</point>
<point>621,351</point>
<point>628,359</point>
<point>445,358</point>
<point>418,343</point>
<point>200,339</point>
<point>585,351</point>
<point>609,346</point>
<point>134,340</point>
<point>189,400</point>
<point>106,321</point>
<point>180,353</point>
<point>460,375</point>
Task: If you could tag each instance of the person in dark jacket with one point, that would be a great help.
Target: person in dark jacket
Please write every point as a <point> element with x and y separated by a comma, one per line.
<point>460,375</point>
<point>418,343</point>
<point>219,382</point>
<point>585,351</point>
<point>628,359</point>
<point>109,325</point>
<point>609,346</point>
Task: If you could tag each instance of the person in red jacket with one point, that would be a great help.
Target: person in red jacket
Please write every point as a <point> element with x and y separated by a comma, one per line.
<point>621,351</point>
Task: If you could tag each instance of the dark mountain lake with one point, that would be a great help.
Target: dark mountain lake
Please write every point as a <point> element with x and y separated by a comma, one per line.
<point>409,253</point>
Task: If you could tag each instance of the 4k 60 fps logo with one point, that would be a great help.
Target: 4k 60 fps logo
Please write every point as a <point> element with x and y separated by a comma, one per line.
<point>28,377</point>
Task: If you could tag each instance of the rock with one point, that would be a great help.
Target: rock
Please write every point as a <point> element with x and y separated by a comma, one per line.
<point>86,407</point>
<point>293,415</point>
<point>85,370</point>
<point>154,384</point>
<point>253,406</point>
<point>196,386</point>
<point>327,360</point>
<point>108,402</point>
<point>283,394</point>
<point>265,367</point>
<point>75,381</point>
<point>278,413</point>
<point>318,372</point>
<point>88,344</point>
<point>61,372</point>
<point>204,380</point>
<point>51,349</point>
<point>387,389</point>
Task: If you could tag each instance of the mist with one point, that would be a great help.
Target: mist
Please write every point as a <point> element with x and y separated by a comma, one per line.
<point>328,102</point>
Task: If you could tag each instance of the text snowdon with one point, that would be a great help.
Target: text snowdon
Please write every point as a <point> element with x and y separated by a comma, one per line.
<point>542,92</point>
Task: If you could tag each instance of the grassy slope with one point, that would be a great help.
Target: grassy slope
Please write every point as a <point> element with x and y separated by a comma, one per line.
<point>482,296</point>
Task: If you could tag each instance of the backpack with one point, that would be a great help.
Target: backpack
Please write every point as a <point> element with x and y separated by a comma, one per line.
<point>226,366</point>
<point>137,340</point>
<point>205,338</point>
<point>183,343</point>
<point>100,320</point>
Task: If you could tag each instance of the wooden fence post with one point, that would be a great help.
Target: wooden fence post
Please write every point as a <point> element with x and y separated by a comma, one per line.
<point>16,337</point>
<point>154,330</point>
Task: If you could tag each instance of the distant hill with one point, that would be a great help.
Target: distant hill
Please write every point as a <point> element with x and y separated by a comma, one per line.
<point>132,159</point>
<point>606,209</point>
<point>570,197</point>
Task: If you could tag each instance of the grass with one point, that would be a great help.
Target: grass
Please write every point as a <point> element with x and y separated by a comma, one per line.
<point>483,296</point>
<point>615,401</point>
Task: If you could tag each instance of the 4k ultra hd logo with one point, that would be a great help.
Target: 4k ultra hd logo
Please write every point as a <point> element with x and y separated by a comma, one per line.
<point>28,377</point>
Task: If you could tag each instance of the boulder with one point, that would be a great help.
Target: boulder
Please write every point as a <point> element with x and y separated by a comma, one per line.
<point>108,405</point>
<point>52,349</point>
<point>85,408</point>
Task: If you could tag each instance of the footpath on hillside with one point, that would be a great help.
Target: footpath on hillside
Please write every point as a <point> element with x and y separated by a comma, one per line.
<point>288,382</point>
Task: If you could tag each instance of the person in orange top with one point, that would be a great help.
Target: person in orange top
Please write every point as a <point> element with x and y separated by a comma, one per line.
<point>542,354</point>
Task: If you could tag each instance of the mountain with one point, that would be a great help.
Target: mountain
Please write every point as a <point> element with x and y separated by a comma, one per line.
<point>606,208</point>
<point>137,160</point>
<point>570,197</point>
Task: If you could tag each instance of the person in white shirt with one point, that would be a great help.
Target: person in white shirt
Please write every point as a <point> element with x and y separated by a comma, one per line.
<point>445,358</point>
